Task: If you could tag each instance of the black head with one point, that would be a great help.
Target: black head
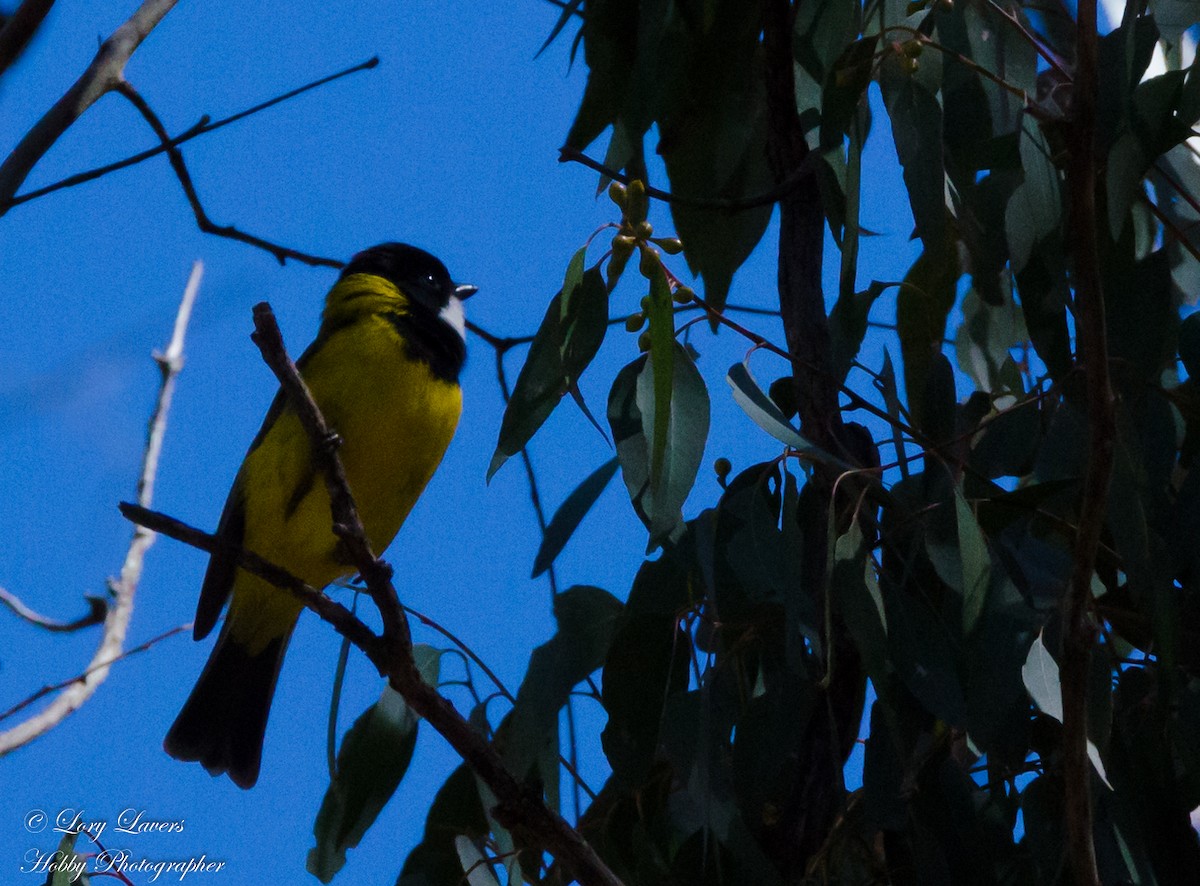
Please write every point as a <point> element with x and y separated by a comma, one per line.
<point>434,326</point>
<point>415,272</point>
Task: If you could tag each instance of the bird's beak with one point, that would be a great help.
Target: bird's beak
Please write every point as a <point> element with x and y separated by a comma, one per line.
<point>465,290</point>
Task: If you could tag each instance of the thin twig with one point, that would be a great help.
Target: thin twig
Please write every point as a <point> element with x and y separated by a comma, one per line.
<point>123,588</point>
<point>327,609</point>
<point>47,690</point>
<point>281,253</point>
<point>97,605</point>
<point>724,204</point>
<point>202,127</point>
<point>102,75</point>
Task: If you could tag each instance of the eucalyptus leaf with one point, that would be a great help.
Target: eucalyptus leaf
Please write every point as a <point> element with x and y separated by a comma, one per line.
<point>371,761</point>
<point>572,511</point>
<point>1040,674</point>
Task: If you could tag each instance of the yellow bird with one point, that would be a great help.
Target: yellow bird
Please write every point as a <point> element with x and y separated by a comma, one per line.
<point>384,370</point>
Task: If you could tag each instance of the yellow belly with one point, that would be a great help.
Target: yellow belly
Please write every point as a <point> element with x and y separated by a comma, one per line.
<point>395,420</point>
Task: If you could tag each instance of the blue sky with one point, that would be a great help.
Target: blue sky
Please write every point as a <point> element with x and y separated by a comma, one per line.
<point>451,143</point>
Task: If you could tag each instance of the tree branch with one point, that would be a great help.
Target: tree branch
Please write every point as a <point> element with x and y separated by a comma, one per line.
<point>19,30</point>
<point>102,75</point>
<point>98,609</point>
<point>518,805</point>
<point>1079,631</point>
<point>123,588</point>
<point>202,127</point>
<point>281,253</point>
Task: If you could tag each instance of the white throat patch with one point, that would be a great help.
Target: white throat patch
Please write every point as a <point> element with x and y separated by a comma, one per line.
<point>454,316</point>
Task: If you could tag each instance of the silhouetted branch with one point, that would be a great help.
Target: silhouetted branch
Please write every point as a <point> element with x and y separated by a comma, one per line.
<point>19,30</point>
<point>98,608</point>
<point>202,127</point>
<point>103,75</point>
<point>281,253</point>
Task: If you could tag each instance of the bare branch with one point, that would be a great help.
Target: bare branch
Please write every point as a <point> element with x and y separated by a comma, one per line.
<point>97,605</point>
<point>19,30</point>
<point>124,586</point>
<point>202,127</point>
<point>102,75</point>
<point>46,690</point>
<point>281,253</point>
<point>326,608</point>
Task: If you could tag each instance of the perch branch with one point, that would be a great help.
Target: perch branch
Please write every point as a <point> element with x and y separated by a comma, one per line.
<point>518,804</point>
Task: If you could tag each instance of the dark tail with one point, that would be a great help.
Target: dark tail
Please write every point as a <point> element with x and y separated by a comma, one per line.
<point>223,722</point>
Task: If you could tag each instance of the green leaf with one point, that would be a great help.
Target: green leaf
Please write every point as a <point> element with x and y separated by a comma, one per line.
<point>1040,674</point>
<point>845,85</point>
<point>924,303</point>
<point>976,563</point>
<point>370,764</point>
<point>917,130</point>
<point>764,413</point>
<point>569,336</point>
<point>630,415</point>
<point>69,867</point>
<point>456,810</point>
<point>662,353</point>
<point>1035,208</point>
<point>567,518</point>
<point>539,387</point>
<point>1189,344</point>
<point>475,867</point>
<point>713,144</point>
<point>848,327</point>
<point>583,324</point>
<point>587,619</point>
<point>568,10</point>
<point>984,340</point>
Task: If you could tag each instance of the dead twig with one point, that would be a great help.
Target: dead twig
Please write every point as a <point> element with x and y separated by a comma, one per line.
<point>124,587</point>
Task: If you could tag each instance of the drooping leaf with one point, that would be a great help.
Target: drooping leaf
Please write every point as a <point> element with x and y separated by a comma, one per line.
<point>540,385</point>
<point>916,119</point>
<point>456,810</point>
<point>924,303</point>
<point>976,563</point>
<point>764,413</point>
<point>569,336</point>
<point>1040,674</point>
<point>630,415</point>
<point>1035,208</point>
<point>586,619</point>
<point>848,326</point>
<point>474,866</point>
<point>568,517</point>
<point>370,764</point>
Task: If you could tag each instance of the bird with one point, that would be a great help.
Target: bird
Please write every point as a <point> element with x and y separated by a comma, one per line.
<point>384,370</point>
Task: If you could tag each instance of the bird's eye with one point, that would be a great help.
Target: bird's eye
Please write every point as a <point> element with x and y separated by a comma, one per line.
<point>431,281</point>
